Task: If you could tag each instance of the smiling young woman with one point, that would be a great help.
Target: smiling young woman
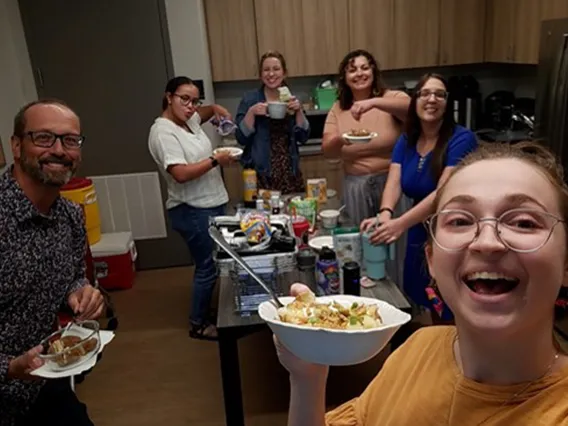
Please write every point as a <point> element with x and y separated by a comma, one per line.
<point>498,251</point>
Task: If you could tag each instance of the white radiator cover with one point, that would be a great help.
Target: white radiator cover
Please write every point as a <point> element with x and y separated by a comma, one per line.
<point>131,203</point>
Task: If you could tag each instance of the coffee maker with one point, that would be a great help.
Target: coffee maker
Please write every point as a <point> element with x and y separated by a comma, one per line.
<point>465,100</point>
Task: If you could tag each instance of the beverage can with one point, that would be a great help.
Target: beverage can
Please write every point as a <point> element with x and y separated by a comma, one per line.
<point>352,278</point>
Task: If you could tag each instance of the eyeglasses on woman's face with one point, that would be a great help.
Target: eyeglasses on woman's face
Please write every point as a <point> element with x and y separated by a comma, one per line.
<point>521,230</point>
<point>186,100</point>
<point>426,94</point>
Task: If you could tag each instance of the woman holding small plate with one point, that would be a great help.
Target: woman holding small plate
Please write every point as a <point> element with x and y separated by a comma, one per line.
<point>423,158</point>
<point>270,126</point>
<point>196,191</point>
<point>364,103</point>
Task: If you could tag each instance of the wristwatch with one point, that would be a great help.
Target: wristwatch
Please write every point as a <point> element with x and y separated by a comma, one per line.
<point>214,161</point>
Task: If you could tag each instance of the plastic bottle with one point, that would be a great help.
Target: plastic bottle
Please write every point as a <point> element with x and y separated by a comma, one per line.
<point>328,272</point>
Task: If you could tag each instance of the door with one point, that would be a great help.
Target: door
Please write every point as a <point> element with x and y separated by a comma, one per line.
<point>110,61</point>
<point>500,31</point>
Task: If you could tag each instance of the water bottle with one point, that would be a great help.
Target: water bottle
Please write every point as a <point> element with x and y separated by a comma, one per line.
<point>327,266</point>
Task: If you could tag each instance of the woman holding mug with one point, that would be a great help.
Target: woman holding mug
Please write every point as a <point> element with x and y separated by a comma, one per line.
<point>364,102</point>
<point>423,158</point>
<point>498,249</point>
<point>196,191</point>
<point>271,143</point>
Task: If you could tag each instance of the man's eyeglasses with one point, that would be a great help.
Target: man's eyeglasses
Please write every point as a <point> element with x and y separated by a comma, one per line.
<point>45,139</point>
<point>440,95</point>
<point>186,100</point>
<point>521,230</point>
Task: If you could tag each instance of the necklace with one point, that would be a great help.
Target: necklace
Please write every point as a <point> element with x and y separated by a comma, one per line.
<point>516,394</point>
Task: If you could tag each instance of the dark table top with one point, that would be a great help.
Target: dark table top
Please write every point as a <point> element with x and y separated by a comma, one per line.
<point>227,317</point>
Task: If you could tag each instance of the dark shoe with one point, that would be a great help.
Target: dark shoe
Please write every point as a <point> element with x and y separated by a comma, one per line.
<point>204,332</point>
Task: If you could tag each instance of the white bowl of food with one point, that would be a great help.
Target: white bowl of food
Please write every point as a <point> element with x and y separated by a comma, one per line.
<point>333,330</point>
<point>359,135</point>
<point>277,110</point>
<point>329,218</point>
<point>233,151</point>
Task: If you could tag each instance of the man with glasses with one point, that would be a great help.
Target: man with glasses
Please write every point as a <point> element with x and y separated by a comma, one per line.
<point>42,268</point>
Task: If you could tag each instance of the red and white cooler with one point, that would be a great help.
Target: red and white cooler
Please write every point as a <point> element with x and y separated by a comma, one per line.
<point>114,256</point>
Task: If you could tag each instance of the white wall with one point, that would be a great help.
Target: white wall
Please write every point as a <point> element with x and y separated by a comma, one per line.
<point>17,85</point>
<point>189,46</point>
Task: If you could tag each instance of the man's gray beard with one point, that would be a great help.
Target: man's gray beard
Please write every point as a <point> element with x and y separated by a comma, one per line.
<point>34,170</point>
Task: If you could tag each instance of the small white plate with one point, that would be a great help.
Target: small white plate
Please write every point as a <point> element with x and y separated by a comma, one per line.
<point>47,372</point>
<point>317,243</point>
<point>359,139</point>
<point>235,152</point>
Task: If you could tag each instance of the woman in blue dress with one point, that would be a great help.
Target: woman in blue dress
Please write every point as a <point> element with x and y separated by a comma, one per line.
<point>423,157</point>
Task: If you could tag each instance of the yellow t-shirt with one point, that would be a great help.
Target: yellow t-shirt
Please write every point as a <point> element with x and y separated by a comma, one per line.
<point>420,385</point>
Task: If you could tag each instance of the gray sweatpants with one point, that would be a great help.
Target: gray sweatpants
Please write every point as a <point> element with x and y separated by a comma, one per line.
<point>362,199</point>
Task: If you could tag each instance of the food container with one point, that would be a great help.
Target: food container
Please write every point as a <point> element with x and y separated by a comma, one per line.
<point>76,343</point>
<point>329,218</point>
<point>335,347</point>
<point>277,110</point>
<point>317,188</point>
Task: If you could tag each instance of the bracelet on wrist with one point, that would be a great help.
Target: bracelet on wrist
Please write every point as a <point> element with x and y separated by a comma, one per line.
<point>387,209</point>
<point>214,161</point>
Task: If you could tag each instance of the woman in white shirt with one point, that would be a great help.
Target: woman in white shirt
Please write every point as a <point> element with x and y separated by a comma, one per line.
<point>196,190</point>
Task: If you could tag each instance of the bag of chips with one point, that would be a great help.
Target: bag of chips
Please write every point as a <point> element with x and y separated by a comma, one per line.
<point>256,227</point>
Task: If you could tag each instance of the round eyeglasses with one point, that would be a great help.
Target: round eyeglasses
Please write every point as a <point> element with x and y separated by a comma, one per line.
<point>521,230</point>
<point>186,100</point>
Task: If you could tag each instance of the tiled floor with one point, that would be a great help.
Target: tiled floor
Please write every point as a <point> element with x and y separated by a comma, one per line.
<point>153,374</point>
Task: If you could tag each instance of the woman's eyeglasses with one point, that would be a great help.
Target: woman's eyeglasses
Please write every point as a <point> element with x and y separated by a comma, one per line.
<point>440,95</point>
<point>521,230</point>
<point>187,100</point>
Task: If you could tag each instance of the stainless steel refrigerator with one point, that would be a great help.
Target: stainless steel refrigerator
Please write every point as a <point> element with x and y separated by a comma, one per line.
<point>551,115</point>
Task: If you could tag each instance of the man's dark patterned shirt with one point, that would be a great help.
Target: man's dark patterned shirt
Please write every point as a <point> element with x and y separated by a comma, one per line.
<point>41,263</point>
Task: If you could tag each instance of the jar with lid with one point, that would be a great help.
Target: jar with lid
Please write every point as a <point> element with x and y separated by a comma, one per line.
<point>275,203</point>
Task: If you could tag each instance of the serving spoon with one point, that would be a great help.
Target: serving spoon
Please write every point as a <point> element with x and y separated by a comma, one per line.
<point>220,240</point>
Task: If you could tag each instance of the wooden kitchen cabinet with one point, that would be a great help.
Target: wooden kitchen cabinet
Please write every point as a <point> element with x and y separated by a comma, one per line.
<point>416,33</point>
<point>554,9</point>
<point>233,177</point>
<point>500,31</point>
<point>462,31</point>
<point>317,166</point>
<point>513,28</point>
<point>231,32</point>
<point>313,35</point>
<point>371,27</point>
<point>527,18</point>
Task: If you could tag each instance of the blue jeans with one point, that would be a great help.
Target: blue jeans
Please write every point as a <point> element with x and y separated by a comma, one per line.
<point>193,225</point>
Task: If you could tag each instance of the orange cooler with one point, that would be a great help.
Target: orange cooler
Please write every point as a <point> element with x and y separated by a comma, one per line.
<point>82,191</point>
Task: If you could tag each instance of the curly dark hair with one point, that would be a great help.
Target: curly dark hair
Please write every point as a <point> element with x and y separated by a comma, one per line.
<point>413,127</point>
<point>344,94</point>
